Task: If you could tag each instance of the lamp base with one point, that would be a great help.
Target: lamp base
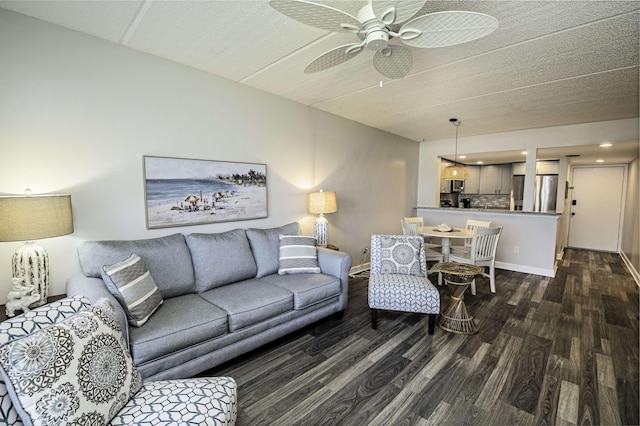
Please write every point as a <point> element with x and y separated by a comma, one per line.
<point>322,232</point>
<point>31,263</point>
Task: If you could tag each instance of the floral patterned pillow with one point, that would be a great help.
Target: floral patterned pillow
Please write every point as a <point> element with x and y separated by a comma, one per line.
<point>77,371</point>
<point>25,324</point>
<point>400,255</point>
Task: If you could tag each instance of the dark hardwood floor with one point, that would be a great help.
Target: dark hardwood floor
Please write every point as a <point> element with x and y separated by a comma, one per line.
<point>560,350</point>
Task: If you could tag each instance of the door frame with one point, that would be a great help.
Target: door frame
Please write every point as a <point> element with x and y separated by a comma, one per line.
<point>625,171</point>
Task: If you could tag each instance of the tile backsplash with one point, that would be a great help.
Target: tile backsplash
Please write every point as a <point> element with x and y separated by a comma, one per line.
<point>478,201</point>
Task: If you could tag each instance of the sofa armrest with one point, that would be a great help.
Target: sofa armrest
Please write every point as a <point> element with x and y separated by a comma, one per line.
<point>95,289</point>
<point>338,264</point>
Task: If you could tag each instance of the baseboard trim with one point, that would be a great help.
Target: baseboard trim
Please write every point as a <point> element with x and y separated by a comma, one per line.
<point>526,269</point>
<point>358,269</point>
<point>634,273</point>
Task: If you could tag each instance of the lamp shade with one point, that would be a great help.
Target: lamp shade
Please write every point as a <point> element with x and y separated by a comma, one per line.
<point>322,202</point>
<point>25,218</point>
<point>456,172</point>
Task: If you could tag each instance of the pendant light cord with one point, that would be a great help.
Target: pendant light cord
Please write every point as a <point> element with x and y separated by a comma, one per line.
<point>456,123</point>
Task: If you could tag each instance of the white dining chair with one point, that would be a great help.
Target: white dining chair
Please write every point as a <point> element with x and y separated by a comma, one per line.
<point>471,225</point>
<point>482,253</point>
<point>420,222</point>
<point>432,254</point>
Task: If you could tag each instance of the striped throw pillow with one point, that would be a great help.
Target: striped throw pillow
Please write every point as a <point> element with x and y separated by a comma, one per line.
<point>298,255</point>
<point>133,286</point>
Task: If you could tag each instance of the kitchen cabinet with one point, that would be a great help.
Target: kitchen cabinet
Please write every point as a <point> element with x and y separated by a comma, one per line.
<point>495,179</point>
<point>472,185</point>
<point>519,168</point>
<point>546,167</point>
<point>542,168</point>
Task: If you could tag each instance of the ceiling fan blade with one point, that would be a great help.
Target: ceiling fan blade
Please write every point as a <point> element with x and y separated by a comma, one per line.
<point>404,9</point>
<point>393,63</point>
<point>442,29</point>
<point>334,57</point>
<point>317,15</point>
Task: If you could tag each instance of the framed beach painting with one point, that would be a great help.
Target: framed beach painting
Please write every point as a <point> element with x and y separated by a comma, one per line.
<point>180,192</point>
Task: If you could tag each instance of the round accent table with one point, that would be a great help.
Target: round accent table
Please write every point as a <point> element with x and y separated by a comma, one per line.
<point>455,317</point>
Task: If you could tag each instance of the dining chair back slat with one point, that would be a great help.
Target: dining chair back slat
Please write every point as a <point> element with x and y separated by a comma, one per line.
<point>484,246</point>
<point>410,228</point>
<point>473,224</point>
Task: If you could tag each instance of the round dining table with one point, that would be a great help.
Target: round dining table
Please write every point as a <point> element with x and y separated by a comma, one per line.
<point>446,236</point>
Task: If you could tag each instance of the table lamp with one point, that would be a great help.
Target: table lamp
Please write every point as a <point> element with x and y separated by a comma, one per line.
<point>322,203</point>
<point>27,218</point>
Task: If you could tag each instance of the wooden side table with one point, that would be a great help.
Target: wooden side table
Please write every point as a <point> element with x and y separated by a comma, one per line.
<point>455,318</point>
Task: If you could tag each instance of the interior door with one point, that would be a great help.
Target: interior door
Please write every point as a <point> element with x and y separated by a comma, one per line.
<point>596,208</point>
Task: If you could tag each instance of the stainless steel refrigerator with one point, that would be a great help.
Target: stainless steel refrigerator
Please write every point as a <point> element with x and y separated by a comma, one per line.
<point>545,192</point>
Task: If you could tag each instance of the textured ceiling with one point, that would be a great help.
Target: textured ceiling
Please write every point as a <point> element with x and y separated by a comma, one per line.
<point>548,63</point>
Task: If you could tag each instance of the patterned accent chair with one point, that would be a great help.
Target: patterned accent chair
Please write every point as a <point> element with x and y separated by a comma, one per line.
<point>196,401</point>
<point>398,278</point>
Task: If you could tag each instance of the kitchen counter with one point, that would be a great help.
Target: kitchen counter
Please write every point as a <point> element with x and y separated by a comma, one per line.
<point>492,211</point>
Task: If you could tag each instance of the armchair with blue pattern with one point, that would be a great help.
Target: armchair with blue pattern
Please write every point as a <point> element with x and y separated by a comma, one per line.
<point>398,278</point>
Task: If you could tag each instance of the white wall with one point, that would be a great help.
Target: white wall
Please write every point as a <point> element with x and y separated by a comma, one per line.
<point>77,114</point>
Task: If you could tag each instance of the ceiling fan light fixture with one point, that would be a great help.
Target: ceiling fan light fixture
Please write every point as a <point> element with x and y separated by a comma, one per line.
<point>377,40</point>
<point>378,21</point>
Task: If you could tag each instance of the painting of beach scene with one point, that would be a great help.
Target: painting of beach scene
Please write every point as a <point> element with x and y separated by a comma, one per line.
<point>181,192</point>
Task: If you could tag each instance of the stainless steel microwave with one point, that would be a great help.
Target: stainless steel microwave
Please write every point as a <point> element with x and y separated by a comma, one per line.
<point>457,186</point>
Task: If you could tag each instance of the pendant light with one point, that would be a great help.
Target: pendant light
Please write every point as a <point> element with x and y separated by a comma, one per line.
<point>456,171</point>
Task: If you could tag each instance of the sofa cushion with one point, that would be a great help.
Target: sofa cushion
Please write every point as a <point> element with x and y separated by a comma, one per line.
<point>220,259</point>
<point>168,259</point>
<point>298,255</point>
<point>250,302</point>
<point>77,371</point>
<point>179,323</point>
<point>265,245</point>
<point>133,286</point>
<point>307,289</point>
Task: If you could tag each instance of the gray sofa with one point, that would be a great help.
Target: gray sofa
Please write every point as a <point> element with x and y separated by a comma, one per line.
<point>222,295</point>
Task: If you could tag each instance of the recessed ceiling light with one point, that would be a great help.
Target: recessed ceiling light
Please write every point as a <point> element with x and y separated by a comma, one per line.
<point>479,162</point>
<point>524,153</point>
<point>605,145</point>
<point>599,161</point>
<point>462,156</point>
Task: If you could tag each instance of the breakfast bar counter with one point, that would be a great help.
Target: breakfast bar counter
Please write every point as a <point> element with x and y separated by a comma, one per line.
<point>529,240</point>
<point>456,210</point>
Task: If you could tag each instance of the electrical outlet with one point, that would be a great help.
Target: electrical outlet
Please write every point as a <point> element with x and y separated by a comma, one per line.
<point>365,249</point>
<point>516,249</point>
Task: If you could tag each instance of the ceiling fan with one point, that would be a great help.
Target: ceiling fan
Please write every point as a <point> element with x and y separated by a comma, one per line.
<point>381,21</point>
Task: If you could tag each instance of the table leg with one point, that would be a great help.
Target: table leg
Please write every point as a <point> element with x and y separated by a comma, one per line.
<point>455,317</point>
<point>446,248</point>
